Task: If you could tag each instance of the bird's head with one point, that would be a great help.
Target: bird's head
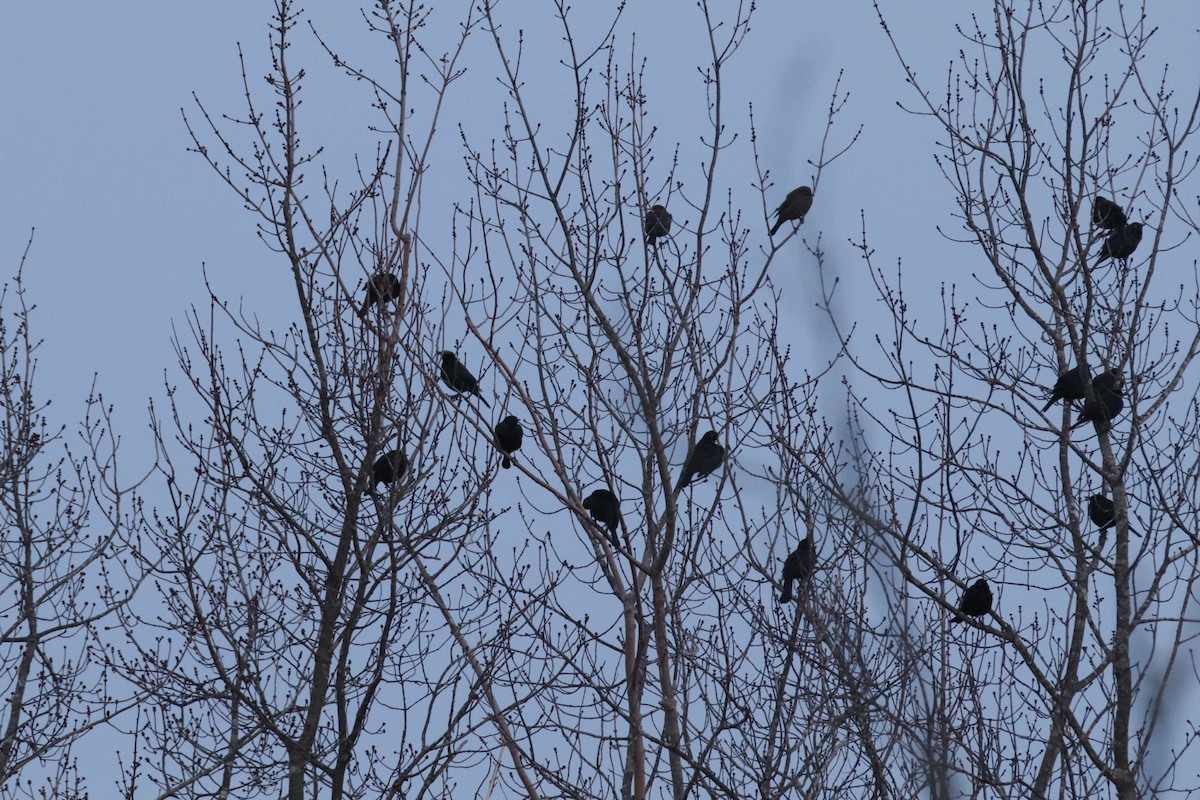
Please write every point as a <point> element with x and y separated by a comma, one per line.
<point>710,437</point>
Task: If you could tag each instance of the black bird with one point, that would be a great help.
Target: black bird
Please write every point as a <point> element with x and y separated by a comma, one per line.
<point>1101,511</point>
<point>1109,399</point>
<point>508,438</point>
<point>976,601</point>
<point>387,468</point>
<point>1107,214</point>
<point>794,207</point>
<point>1122,242</point>
<point>705,458</point>
<point>381,288</point>
<point>458,377</point>
<point>1069,387</point>
<point>658,223</point>
<point>605,508</point>
<point>798,567</point>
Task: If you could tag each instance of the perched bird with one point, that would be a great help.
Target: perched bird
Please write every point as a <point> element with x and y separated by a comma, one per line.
<point>976,601</point>
<point>1122,242</point>
<point>388,468</point>
<point>508,438</point>
<point>1069,387</point>
<point>705,458</point>
<point>798,566</point>
<point>794,206</point>
<point>1101,511</point>
<point>1109,399</point>
<point>381,288</point>
<point>605,508</point>
<point>658,223</point>
<point>1107,214</point>
<point>458,377</point>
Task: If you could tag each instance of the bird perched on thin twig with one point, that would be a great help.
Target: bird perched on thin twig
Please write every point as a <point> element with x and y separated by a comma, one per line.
<point>1069,386</point>
<point>976,601</point>
<point>458,377</point>
<point>794,207</point>
<point>798,566</point>
<point>381,288</point>
<point>1121,243</point>
<point>388,468</point>
<point>705,458</point>
<point>657,224</point>
<point>1107,214</point>
<point>1102,511</point>
<point>508,438</point>
<point>1109,399</point>
<point>605,508</point>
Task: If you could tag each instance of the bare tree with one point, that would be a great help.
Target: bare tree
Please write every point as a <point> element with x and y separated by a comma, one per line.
<point>1065,689</point>
<point>68,523</point>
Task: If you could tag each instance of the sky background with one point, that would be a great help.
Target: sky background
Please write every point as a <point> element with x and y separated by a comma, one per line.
<point>94,155</point>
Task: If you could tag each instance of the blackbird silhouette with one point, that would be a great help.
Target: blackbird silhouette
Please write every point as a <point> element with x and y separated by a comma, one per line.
<point>798,566</point>
<point>1102,511</point>
<point>1069,387</point>
<point>976,601</point>
<point>387,468</point>
<point>381,288</point>
<point>658,223</point>
<point>1109,399</point>
<point>1122,242</point>
<point>508,438</point>
<point>705,458</point>
<point>605,508</point>
<point>1107,214</point>
<point>794,207</point>
<point>458,377</point>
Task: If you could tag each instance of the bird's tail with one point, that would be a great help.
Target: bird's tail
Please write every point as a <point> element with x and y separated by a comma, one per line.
<point>786,595</point>
<point>775,227</point>
<point>506,463</point>
<point>1051,402</point>
<point>482,399</point>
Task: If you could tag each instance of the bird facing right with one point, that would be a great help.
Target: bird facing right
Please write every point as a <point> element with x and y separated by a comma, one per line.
<point>1121,243</point>
<point>798,566</point>
<point>794,207</point>
<point>705,458</point>
<point>976,601</point>
<point>1109,399</point>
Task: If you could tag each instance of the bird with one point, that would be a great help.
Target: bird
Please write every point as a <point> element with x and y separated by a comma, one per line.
<point>976,601</point>
<point>381,288</point>
<point>1069,386</point>
<point>1101,511</point>
<point>658,223</point>
<point>1109,400</point>
<point>1122,241</point>
<point>387,468</point>
<point>1107,214</point>
<point>458,377</point>
<point>794,206</point>
<point>508,438</point>
<point>605,508</point>
<point>705,458</point>
<point>798,566</point>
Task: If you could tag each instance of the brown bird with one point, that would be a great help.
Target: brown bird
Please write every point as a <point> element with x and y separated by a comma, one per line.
<point>976,601</point>
<point>388,468</point>
<point>658,223</point>
<point>798,566</point>
<point>1107,214</point>
<point>605,508</point>
<point>458,377</point>
<point>1109,399</point>
<point>381,288</point>
<point>508,438</point>
<point>793,207</point>
<point>705,458</point>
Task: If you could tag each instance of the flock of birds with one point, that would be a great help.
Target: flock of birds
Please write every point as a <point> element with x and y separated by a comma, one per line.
<point>707,456</point>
